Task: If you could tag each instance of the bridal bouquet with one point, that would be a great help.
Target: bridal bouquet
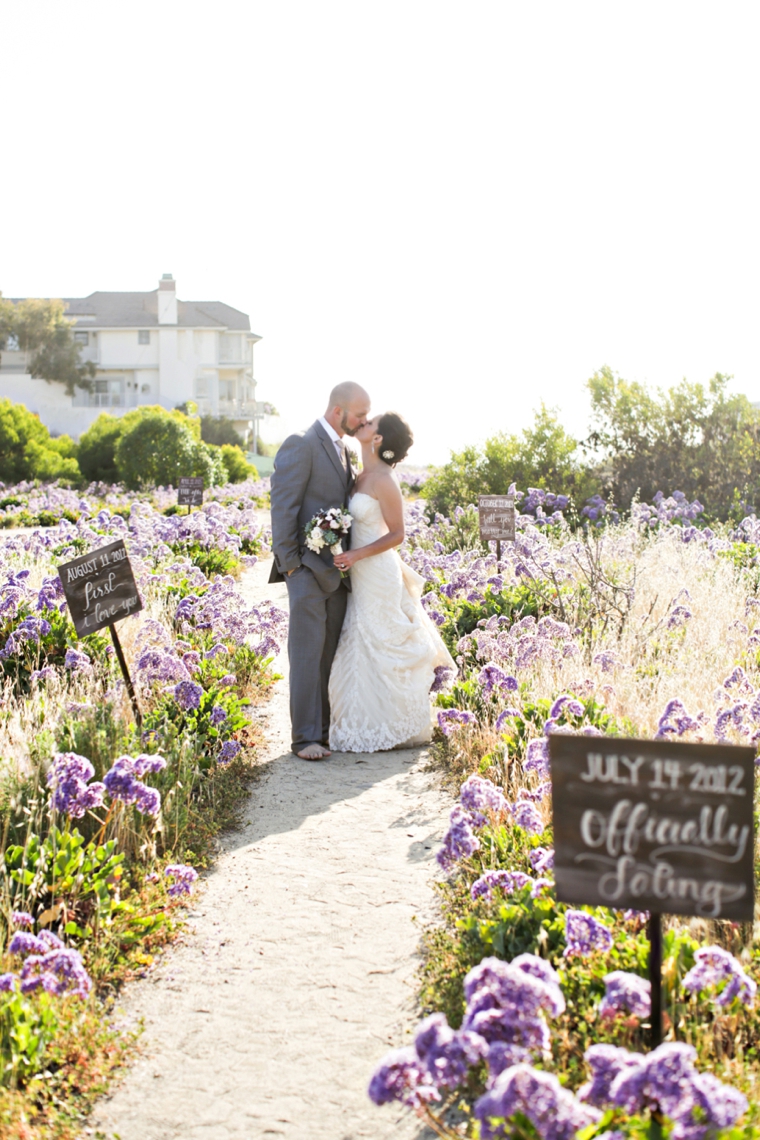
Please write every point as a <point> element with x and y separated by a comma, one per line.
<point>327,529</point>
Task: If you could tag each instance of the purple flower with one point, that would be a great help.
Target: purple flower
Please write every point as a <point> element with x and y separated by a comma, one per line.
<point>122,783</point>
<point>507,881</point>
<point>445,1053</point>
<point>714,966</point>
<point>527,816</point>
<point>666,1080</point>
<point>566,704</point>
<point>68,776</point>
<point>459,842</point>
<point>537,757</point>
<point>77,661</point>
<point>626,993</point>
<point>229,751</point>
<point>451,719</point>
<point>443,674</point>
<point>228,680</point>
<point>503,717</point>
<point>542,859</point>
<point>606,1063</point>
<point>188,695</point>
<point>218,714</point>
<point>8,982</point>
<point>182,878</point>
<point>584,934</point>
<point>21,918</point>
<point>402,1076</point>
<point>59,971</point>
<point>145,763</point>
<point>481,798</point>
<point>553,1111</point>
<point>491,677</point>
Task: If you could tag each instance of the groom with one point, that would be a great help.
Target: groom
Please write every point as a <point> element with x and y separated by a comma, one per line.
<point>312,472</point>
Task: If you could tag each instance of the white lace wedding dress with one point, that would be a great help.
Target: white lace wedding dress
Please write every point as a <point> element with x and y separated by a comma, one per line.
<point>388,651</point>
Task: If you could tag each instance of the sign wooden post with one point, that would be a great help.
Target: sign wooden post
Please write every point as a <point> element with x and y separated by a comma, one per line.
<point>659,826</point>
<point>100,590</point>
<point>496,515</point>
<point>190,492</point>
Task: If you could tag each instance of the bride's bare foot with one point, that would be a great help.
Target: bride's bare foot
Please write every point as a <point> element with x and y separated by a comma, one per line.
<point>314,752</point>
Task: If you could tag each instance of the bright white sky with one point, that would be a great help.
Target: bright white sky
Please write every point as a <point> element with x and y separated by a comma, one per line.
<point>467,207</point>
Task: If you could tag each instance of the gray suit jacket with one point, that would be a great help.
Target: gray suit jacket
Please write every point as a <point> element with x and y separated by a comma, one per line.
<point>308,477</point>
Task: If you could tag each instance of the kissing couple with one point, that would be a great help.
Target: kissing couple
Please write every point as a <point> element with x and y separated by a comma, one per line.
<point>363,652</point>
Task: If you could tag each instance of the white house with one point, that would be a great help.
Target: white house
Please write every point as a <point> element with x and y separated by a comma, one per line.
<point>147,348</point>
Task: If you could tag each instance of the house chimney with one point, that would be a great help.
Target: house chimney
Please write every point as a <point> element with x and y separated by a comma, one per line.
<point>167,300</point>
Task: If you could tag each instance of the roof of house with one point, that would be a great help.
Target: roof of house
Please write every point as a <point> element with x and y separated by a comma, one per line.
<point>140,310</point>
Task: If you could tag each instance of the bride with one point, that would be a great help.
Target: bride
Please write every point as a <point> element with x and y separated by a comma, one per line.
<point>389,649</point>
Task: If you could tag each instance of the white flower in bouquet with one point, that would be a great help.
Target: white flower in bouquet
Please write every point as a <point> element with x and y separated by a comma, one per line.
<point>327,529</point>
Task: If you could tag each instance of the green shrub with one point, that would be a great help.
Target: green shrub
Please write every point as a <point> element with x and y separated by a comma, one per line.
<point>97,449</point>
<point>236,465</point>
<point>28,452</point>
<point>220,430</point>
<point>159,447</point>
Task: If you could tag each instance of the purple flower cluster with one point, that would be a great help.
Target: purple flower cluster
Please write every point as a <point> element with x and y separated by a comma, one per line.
<point>481,798</point>
<point>449,720</point>
<point>68,779</point>
<point>527,816</point>
<point>675,721</point>
<point>507,881</point>
<point>626,993</point>
<point>77,661</point>
<point>493,679</point>
<point>442,679</point>
<point>182,878</point>
<point>49,965</point>
<point>585,934</point>
<point>598,511</point>
<point>447,1054</point>
<point>188,695</point>
<point>123,782</point>
<point>506,1006</point>
<point>665,1081</point>
<point>229,751</point>
<point>402,1076</point>
<point>552,1110</point>
<point>676,509</point>
<point>714,967</point>
<point>460,841</point>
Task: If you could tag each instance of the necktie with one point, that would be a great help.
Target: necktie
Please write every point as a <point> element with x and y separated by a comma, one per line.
<point>342,453</point>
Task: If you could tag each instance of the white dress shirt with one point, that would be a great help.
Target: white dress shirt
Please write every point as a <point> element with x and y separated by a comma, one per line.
<point>340,447</point>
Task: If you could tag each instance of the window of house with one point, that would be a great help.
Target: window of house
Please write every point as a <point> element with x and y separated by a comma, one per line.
<point>107,393</point>
<point>82,337</point>
<point>143,336</point>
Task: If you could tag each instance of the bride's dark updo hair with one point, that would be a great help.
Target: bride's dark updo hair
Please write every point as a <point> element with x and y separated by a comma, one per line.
<point>397,438</point>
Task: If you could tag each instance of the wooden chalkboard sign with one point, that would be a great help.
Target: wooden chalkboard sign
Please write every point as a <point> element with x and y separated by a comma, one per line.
<point>190,491</point>
<point>100,588</point>
<point>497,519</point>
<point>658,826</point>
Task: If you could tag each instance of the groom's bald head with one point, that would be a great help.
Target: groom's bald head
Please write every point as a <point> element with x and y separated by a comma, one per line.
<point>347,408</point>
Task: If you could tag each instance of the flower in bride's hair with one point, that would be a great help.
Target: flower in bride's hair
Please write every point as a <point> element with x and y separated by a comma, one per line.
<point>389,455</point>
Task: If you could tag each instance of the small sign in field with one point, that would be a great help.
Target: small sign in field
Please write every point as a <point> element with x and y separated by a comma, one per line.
<point>660,826</point>
<point>497,517</point>
<point>100,588</point>
<point>190,491</point>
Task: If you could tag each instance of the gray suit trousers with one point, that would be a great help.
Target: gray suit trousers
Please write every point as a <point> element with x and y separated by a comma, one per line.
<point>316,619</point>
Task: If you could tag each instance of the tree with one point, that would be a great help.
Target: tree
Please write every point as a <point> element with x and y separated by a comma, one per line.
<point>543,455</point>
<point>698,439</point>
<point>28,452</point>
<point>97,449</point>
<point>157,448</point>
<point>41,329</point>
<point>220,430</point>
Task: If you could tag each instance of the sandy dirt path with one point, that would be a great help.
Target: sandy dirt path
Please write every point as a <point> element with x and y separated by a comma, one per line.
<point>296,973</point>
